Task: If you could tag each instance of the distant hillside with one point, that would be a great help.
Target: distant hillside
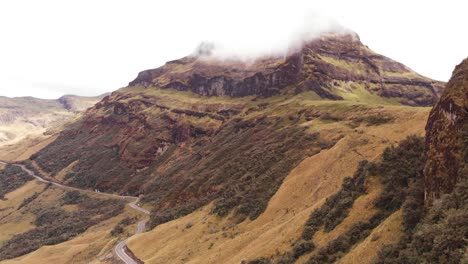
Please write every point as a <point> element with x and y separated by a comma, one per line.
<point>23,117</point>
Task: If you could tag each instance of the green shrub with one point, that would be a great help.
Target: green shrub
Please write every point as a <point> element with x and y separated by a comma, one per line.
<point>117,230</point>
<point>375,120</point>
<point>331,117</point>
<point>72,197</point>
<point>440,235</point>
<point>301,248</point>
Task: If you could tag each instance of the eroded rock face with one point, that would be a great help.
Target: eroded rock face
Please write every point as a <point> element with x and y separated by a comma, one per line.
<point>447,137</point>
<point>323,65</point>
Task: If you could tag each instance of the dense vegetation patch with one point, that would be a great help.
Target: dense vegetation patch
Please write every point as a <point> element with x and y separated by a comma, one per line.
<point>11,178</point>
<point>240,168</point>
<point>298,249</point>
<point>336,208</point>
<point>120,227</point>
<point>329,215</point>
<point>400,169</point>
<point>438,236</point>
<point>375,120</point>
<point>98,163</point>
<point>55,225</point>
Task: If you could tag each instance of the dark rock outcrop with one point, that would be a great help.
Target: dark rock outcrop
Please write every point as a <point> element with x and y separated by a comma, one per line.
<point>325,66</point>
<point>447,137</point>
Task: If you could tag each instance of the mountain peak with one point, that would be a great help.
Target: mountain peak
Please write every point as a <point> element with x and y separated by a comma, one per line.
<point>332,65</point>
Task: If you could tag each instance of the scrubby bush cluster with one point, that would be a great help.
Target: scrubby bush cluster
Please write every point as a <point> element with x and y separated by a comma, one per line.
<point>73,197</point>
<point>11,178</point>
<point>400,170</point>
<point>33,197</point>
<point>240,168</point>
<point>329,215</point>
<point>437,236</point>
<point>55,225</point>
<point>120,227</point>
<point>337,248</point>
<point>337,207</point>
<point>333,117</point>
<point>299,248</point>
<point>440,236</point>
<point>375,120</point>
<point>97,164</point>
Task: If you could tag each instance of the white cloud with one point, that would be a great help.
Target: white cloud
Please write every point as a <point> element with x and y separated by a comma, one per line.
<point>90,47</point>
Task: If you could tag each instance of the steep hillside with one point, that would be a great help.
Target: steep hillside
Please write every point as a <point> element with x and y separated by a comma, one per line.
<point>447,137</point>
<point>25,121</point>
<point>38,217</point>
<point>237,155</point>
<point>438,233</point>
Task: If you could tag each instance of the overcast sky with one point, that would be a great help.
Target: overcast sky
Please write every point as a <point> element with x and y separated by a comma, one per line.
<point>88,47</point>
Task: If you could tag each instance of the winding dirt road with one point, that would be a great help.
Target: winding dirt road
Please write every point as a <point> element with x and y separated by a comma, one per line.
<point>120,248</point>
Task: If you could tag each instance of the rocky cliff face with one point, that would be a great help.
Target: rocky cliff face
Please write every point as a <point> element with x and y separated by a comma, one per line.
<point>327,65</point>
<point>447,137</point>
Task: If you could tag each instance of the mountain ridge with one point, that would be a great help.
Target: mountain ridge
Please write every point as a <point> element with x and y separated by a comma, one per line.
<point>25,119</point>
<point>325,65</point>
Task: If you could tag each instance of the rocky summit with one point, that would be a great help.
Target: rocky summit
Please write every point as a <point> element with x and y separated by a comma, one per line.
<point>331,66</point>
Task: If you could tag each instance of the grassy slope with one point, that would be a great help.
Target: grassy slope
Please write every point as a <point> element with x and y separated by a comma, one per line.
<point>23,149</point>
<point>387,233</point>
<point>26,119</point>
<point>93,245</point>
<point>12,222</point>
<point>304,189</point>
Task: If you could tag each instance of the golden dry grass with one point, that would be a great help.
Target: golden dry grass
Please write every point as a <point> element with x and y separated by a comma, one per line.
<point>214,240</point>
<point>23,149</point>
<point>362,210</point>
<point>388,232</point>
<point>94,246</point>
<point>303,190</point>
<point>12,221</point>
